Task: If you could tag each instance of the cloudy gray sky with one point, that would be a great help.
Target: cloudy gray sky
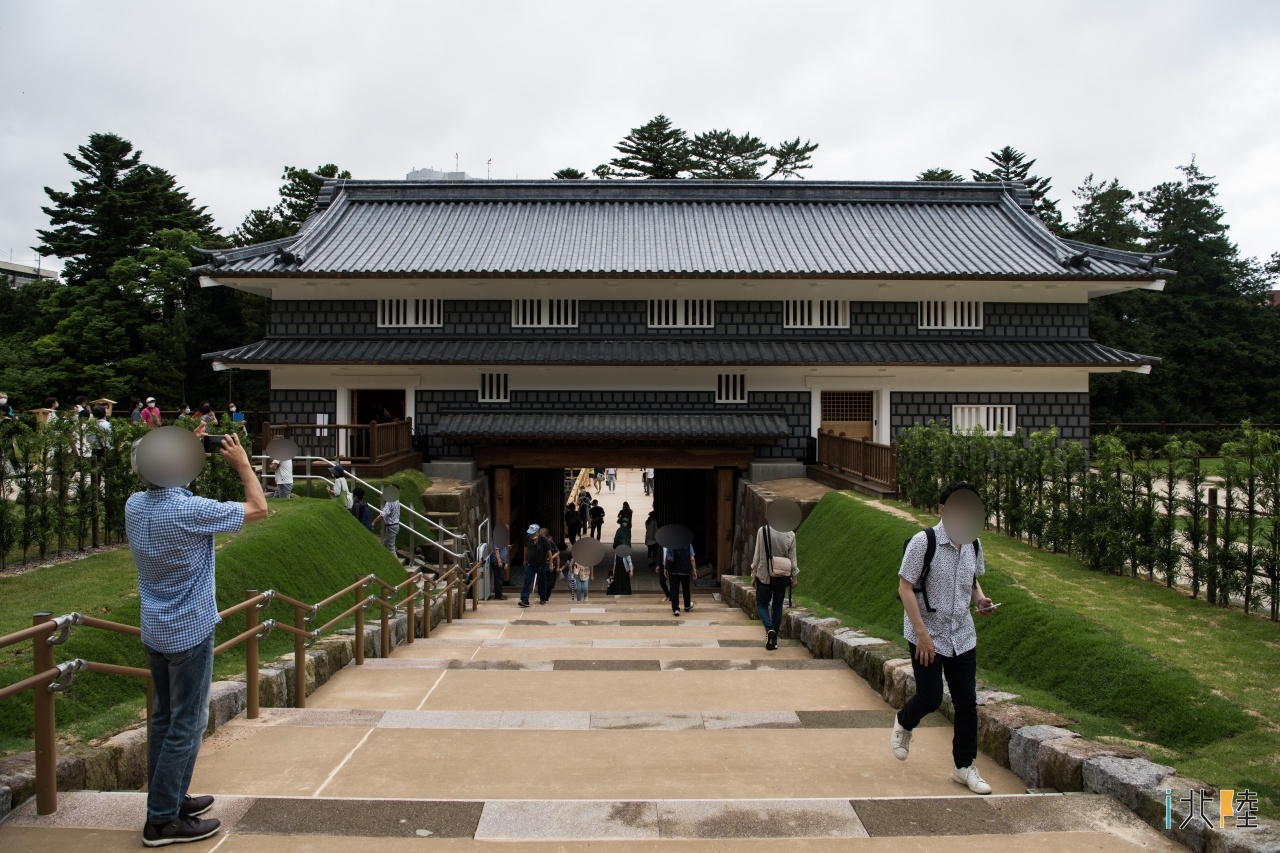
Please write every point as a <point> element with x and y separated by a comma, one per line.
<point>224,94</point>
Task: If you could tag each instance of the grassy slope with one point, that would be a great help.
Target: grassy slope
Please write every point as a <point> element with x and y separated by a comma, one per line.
<point>1124,659</point>
<point>306,548</point>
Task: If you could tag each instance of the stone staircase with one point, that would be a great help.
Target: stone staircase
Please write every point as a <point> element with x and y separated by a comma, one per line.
<point>603,726</point>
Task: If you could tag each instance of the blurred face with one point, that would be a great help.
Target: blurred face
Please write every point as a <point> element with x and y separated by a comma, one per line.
<point>963,515</point>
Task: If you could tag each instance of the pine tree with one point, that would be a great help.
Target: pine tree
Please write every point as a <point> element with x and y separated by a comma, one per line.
<point>941,175</point>
<point>656,149</point>
<point>790,158</point>
<point>1012,165</point>
<point>1106,215</point>
<point>298,196</point>
<point>569,174</point>
<point>112,210</point>
<point>722,154</point>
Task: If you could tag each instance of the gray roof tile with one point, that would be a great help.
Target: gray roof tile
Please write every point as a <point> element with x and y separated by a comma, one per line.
<point>466,427</point>
<point>651,352</point>
<point>676,228</point>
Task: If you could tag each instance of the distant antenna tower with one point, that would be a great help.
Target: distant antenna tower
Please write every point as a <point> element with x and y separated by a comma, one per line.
<point>488,169</point>
<point>456,167</point>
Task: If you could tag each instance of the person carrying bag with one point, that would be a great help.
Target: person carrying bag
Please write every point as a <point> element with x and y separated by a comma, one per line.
<point>774,570</point>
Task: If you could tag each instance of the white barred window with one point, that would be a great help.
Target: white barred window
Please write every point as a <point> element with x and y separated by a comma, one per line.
<point>731,388</point>
<point>544,313</point>
<point>815,314</point>
<point>495,388</point>
<point>682,313</point>
<point>994,420</point>
<point>950,314</point>
<point>410,313</point>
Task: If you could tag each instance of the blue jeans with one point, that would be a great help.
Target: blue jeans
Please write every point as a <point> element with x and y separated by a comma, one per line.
<point>769,600</point>
<point>179,715</point>
<point>532,573</point>
<point>580,588</point>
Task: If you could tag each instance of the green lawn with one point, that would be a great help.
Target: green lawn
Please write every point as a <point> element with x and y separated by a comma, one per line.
<point>307,549</point>
<point>1192,684</point>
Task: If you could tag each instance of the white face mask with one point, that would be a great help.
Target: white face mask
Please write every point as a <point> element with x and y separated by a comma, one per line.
<point>4,401</point>
<point>233,408</point>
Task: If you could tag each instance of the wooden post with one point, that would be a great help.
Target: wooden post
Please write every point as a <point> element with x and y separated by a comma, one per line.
<point>251,659</point>
<point>386,621</point>
<point>299,659</point>
<point>46,722</point>
<point>360,624</point>
<point>1211,582</point>
<point>724,520</point>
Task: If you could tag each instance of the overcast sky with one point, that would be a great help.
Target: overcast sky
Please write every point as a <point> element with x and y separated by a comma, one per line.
<point>225,94</point>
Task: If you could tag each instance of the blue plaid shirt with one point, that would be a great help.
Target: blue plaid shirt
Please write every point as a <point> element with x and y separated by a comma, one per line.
<point>171,537</point>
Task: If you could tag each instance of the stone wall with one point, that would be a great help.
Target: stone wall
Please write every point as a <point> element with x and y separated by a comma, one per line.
<point>1035,744</point>
<point>1069,412</point>
<point>459,505</point>
<point>752,502</point>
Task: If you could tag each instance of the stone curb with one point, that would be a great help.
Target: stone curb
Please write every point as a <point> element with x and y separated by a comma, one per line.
<point>120,762</point>
<point>1031,742</point>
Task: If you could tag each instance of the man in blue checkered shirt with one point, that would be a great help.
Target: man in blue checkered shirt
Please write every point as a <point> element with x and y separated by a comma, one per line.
<point>171,536</point>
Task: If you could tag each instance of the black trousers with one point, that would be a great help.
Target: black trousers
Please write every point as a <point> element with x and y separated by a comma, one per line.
<point>679,582</point>
<point>961,673</point>
<point>596,527</point>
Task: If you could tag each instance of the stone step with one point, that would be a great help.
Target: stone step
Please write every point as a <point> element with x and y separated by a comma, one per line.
<point>108,822</point>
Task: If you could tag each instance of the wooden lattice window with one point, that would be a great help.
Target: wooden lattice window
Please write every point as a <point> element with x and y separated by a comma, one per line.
<point>950,314</point>
<point>544,313</point>
<point>815,314</point>
<point>846,406</point>
<point>495,388</point>
<point>731,388</point>
<point>994,420</point>
<point>682,313</point>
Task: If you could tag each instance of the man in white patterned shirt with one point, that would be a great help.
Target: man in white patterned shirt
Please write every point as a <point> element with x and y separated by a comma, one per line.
<point>939,627</point>
<point>171,536</point>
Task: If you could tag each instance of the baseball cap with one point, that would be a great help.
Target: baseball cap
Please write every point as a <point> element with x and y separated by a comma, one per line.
<point>533,528</point>
<point>151,399</point>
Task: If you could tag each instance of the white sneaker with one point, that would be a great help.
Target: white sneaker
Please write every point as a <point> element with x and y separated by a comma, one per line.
<point>900,740</point>
<point>969,776</point>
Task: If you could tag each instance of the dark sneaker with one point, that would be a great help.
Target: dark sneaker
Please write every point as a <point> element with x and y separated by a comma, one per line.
<point>179,831</point>
<point>675,612</point>
<point>524,603</point>
<point>772,642</point>
<point>195,806</point>
<point>688,607</point>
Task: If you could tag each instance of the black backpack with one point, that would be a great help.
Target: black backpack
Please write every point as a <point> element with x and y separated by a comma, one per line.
<point>679,562</point>
<point>931,548</point>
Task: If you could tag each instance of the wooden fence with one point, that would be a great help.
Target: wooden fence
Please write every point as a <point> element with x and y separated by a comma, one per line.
<point>367,444</point>
<point>858,456</point>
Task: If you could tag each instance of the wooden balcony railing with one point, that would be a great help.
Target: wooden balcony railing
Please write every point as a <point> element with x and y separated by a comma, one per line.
<point>858,456</point>
<point>369,444</point>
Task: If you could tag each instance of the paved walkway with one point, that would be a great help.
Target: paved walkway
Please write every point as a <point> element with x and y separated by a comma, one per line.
<point>606,727</point>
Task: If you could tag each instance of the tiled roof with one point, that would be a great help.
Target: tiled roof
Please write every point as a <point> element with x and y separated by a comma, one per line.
<point>683,352</point>
<point>677,229</point>
<point>467,427</point>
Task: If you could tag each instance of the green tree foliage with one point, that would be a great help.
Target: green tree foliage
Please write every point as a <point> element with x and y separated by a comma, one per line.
<point>659,149</point>
<point>569,174</point>
<point>940,174</point>
<point>113,209</point>
<point>1010,164</point>
<point>298,196</point>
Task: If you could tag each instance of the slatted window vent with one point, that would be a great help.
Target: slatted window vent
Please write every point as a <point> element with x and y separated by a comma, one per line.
<point>731,388</point>
<point>495,388</point>
<point>410,313</point>
<point>950,314</point>
<point>544,313</point>
<point>815,314</point>
<point>993,420</point>
<point>682,314</point>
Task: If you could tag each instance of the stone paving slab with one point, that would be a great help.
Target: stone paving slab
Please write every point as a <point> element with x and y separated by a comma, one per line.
<point>289,761</point>
<point>110,821</point>
<point>504,764</point>
<point>372,688</point>
<point>518,631</point>
<point>758,690</point>
<point>42,840</point>
<point>861,719</point>
<point>658,653</point>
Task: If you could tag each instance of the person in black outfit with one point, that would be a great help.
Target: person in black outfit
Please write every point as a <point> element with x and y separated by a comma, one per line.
<point>679,567</point>
<point>537,548</point>
<point>597,519</point>
<point>572,523</point>
<point>584,508</point>
<point>625,512</point>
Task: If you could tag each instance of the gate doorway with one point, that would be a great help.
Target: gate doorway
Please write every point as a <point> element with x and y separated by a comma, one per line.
<point>848,412</point>
<point>373,404</point>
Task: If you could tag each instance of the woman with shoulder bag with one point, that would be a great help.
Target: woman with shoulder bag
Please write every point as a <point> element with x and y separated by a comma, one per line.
<point>774,570</point>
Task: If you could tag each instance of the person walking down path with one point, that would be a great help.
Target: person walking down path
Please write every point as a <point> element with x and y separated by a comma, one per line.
<point>581,580</point>
<point>341,490</point>
<point>389,515</point>
<point>647,477</point>
<point>171,536</point>
<point>611,478</point>
<point>626,513</point>
<point>284,478</point>
<point>572,523</point>
<point>360,509</point>
<point>938,583</point>
<point>151,414</point>
<point>623,567</point>
<point>597,475</point>
<point>584,508</point>
<point>679,565</point>
<point>597,519</point>
<point>537,549</point>
<point>773,571</point>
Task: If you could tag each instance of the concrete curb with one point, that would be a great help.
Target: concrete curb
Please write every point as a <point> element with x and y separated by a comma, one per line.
<point>120,762</point>
<point>1031,742</point>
